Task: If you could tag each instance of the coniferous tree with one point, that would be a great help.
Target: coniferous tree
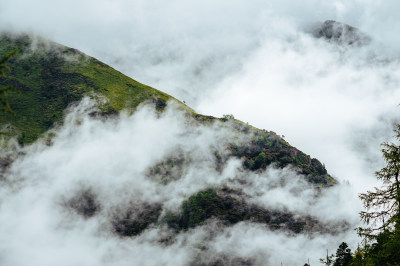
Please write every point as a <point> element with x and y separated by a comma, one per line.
<point>383,211</point>
<point>382,217</point>
<point>343,255</point>
<point>383,204</point>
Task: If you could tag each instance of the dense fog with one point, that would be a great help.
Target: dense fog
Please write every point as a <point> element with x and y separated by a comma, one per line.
<point>62,203</point>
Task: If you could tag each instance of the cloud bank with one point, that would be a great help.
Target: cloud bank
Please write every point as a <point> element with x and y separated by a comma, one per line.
<point>60,203</point>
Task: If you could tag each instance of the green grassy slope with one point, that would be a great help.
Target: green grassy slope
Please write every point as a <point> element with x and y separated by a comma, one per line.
<point>51,76</point>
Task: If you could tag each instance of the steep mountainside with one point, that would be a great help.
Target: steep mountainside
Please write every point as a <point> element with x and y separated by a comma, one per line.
<point>50,77</point>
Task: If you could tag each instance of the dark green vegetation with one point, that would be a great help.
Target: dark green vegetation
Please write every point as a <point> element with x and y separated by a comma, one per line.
<point>263,149</point>
<point>133,221</point>
<point>227,206</point>
<point>84,203</point>
<point>50,77</point>
<point>5,106</point>
<point>343,257</point>
<point>267,148</point>
<point>382,217</point>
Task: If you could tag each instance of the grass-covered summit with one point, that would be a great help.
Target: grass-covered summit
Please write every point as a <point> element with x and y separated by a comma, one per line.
<point>50,76</point>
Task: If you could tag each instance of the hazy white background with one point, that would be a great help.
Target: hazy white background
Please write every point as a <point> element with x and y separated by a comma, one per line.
<point>253,59</point>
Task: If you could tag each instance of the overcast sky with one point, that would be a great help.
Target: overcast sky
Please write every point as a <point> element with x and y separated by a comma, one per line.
<point>253,59</point>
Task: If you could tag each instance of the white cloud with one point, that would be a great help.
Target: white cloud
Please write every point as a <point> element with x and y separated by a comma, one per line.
<point>110,159</point>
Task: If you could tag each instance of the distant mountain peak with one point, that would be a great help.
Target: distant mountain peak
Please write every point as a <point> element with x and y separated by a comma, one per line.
<point>341,33</point>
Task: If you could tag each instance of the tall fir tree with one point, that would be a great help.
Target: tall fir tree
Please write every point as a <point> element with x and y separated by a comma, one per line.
<point>383,204</point>
<point>383,211</point>
<point>343,255</point>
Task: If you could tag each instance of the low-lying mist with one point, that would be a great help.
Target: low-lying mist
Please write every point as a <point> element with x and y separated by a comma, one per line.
<point>69,198</point>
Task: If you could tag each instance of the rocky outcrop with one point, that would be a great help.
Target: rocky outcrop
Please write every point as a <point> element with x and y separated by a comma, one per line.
<point>341,33</point>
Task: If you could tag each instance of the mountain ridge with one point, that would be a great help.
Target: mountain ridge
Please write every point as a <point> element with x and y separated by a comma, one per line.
<point>52,77</point>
